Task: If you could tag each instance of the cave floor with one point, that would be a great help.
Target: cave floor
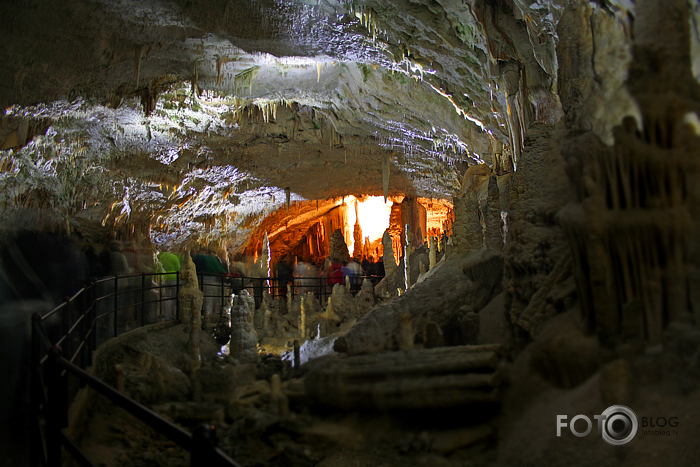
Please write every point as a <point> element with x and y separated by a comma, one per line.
<point>252,427</point>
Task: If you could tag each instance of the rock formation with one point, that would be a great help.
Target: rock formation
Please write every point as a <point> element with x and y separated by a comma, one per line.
<point>244,339</point>
<point>338,249</point>
<point>190,297</point>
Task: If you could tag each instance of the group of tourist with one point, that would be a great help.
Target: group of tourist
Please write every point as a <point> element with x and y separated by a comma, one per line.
<point>321,274</point>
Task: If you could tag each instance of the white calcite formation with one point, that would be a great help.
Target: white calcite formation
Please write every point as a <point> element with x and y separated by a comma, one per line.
<point>244,339</point>
<point>190,297</point>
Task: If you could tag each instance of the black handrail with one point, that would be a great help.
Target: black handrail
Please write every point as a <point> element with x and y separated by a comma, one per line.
<point>80,324</point>
<point>49,383</point>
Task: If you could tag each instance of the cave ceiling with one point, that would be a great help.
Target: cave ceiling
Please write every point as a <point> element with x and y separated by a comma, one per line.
<point>198,117</point>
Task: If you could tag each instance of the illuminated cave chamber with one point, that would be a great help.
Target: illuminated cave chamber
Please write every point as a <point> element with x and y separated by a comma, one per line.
<point>305,229</point>
<point>553,146</point>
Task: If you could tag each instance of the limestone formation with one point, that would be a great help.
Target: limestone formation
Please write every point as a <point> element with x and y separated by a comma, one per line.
<point>190,297</point>
<point>244,339</point>
<point>406,332</point>
<point>494,237</point>
<point>407,259</point>
<point>338,249</point>
<point>433,336</point>
<point>389,258</point>
<point>631,229</point>
<point>433,252</point>
<point>365,298</point>
<point>279,403</point>
<point>357,235</point>
<point>436,378</point>
<point>468,233</point>
<point>192,345</point>
<point>473,278</point>
<point>536,243</point>
<point>308,308</point>
<point>386,171</point>
<point>265,257</point>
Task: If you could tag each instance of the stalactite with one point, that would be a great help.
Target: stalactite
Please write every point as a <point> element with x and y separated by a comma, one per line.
<point>631,228</point>
<point>138,56</point>
<point>385,175</point>
<point>265,256</point>
<point>407,258</point>
<point>287,196</point>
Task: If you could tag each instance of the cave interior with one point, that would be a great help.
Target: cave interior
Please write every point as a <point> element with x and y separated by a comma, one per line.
<point>525,172</point>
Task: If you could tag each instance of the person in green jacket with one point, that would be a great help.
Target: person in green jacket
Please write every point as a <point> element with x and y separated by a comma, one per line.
<point>171,265</point>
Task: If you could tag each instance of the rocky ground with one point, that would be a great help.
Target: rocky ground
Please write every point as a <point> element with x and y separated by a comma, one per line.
<point>263,414</point>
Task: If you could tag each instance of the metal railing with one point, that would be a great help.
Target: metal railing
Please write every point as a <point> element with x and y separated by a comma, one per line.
<point>63,342</point>
<point>321,287</point>
<point>64,339</point>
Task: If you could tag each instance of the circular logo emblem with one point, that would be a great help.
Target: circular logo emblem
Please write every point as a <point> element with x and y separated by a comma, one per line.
<point>620,425</point>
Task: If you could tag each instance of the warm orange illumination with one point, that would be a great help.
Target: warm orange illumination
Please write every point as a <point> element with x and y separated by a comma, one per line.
<point>374,218</point>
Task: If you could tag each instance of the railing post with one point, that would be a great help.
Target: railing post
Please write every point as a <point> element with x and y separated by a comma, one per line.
<point>203,446</point>
<point>116,305</point>
<point>93,320</point>
<point>177,295</point>
<point>36,444</point>
<point>160,312</point>
<point>57,407</point>
<point>143,299</point>
<point>65,316</point>
<point>85,346</point>
<point>222,291</point>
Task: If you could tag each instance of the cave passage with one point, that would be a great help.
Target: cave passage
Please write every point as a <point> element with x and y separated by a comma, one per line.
<point>303,232</point>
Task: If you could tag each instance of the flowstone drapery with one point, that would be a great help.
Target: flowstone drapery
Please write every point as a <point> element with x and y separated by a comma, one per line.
<point>631,228</point>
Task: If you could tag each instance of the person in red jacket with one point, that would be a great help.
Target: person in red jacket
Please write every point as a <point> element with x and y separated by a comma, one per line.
<point>335,274</point>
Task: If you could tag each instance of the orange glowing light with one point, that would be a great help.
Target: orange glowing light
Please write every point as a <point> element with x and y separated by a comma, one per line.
<point>373,214</point>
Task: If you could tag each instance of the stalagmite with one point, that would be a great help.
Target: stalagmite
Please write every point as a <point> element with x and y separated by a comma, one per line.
<point>433,252</point>
<point>302,318</point>
<point>192,345</point>
<point>244,339</point>
<point>357,234</point>
<point>389,260</point>
<point>365,298</point>
<point>190,297</point>
<point>338,250</point>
